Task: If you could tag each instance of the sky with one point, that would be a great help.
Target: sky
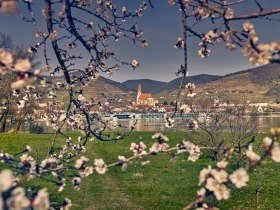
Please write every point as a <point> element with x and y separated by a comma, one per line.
<point>162,25</point>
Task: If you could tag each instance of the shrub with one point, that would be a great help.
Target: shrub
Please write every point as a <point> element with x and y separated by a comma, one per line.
<point>36,128</point>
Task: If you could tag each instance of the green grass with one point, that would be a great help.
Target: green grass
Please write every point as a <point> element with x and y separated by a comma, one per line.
<point>165,184</point>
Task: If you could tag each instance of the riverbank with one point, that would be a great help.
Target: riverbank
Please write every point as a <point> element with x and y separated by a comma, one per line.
<point>163,184</point>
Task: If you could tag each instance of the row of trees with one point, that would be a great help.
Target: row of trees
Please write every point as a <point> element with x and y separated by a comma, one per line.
<point>11,118</point>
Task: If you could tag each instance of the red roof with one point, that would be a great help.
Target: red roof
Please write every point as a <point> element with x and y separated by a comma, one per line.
<point>144,96</point>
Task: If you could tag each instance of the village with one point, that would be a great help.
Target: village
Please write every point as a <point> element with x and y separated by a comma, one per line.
<point>145,103</point>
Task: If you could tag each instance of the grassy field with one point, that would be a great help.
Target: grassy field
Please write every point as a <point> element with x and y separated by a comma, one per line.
<point>163,184</point>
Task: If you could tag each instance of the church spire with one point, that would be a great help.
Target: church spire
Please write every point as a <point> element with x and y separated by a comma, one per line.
<point>139,88</point>
<point>139,93</point>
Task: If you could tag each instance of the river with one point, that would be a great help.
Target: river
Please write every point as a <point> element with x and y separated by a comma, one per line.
<point>264,124</point>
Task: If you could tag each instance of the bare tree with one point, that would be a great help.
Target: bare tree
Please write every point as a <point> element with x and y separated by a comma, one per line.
<point>227,127</point>
<point>11,118</point>
<point>6,41</point>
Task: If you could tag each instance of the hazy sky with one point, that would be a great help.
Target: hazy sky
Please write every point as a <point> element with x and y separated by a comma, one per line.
<point>162,26</point>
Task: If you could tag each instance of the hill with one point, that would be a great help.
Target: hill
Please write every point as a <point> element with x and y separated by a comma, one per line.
<point>119,85</point>
<point>261,74</point>
<point>260,84</point>
<point>101,88</point>
<point>153,86</point>
<point>104,87</point>
<point>148,85</point>
<point>197,79</point>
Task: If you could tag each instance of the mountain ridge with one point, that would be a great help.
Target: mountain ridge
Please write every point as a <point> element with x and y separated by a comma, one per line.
<point>154,86</point>
<point>260,83</point>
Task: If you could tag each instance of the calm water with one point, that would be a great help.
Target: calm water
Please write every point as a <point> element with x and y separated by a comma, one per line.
<point>265,123</point>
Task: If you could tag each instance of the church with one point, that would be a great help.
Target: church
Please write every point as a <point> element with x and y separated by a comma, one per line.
<point>145,98</point>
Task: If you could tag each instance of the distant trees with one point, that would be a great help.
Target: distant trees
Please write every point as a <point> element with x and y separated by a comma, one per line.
<point>11,117</point>
<point>6,41</point>
<point>172,103</point>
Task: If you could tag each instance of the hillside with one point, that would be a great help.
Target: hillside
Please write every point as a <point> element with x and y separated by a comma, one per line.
<point>101,88</point>
<point>261,74</point>
<point>154,87</point>
<point>113,83</point>
<point>260,84</point>
<point>197,79</point>
<point>104,87</point>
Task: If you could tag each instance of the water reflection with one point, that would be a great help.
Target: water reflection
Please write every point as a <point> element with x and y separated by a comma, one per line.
<point>264,123</point>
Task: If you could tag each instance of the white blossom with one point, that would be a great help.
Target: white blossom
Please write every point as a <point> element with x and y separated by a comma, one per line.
<point>6,180</point>
<point>18,200</point>
<point>247,26</point>
<point>122,158</point>
<point>194,157</point>
<point>252,155</point>
<point>100,166</point>
<point>76,182</point>
<point>204,174</point>
<point>275,153</point>
<point>138,148</point>
<point>22,65</point>
<point>19,84</point>
<point>53,35</point>
<point>156,147</point>
<point>184,108</point>
<point>5,57</point>
<point>134,63</point>
<point>28,148</point>
<point>41,201</point>
<point>21,104</point>
<point>87,171</point>
<point>201,192</point>
<point>222,192</point>
<point>222,164</point>
<point>80,162</point>
<point>169,122</point>
<point>229,13</point>
<point>267,142</point>
<point>62,117</point>
<point>66,204</point>
<point>239,177</point>
<point>193,125</point>
<point>160,136</point>
<point>220,176</point>
<point>212,184</point>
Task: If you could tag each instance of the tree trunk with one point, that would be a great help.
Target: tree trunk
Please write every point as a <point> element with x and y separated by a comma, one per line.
<point>258,197</point>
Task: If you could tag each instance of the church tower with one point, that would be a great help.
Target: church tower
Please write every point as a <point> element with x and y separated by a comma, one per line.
<point>144,98</point>
<point>139,92</point>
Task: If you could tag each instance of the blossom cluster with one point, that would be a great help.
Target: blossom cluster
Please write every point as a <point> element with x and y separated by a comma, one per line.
<point>20,68</point>
<point>258,53</point>
<point>217,182</point>
<point>14,196</point>
<point>192,149</point>
<point>190,88</point>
